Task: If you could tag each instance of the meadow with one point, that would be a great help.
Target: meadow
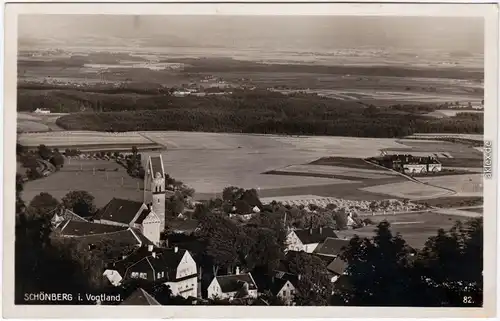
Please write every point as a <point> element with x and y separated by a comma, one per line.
<point>104,183</point>
<point>415,228</point>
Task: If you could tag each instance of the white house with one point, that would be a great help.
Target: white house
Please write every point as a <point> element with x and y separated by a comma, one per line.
<point>421,168</point>
<point>308,239</point>
<point>42,111</point>
<point>173,267</point>
<point>232,286</point>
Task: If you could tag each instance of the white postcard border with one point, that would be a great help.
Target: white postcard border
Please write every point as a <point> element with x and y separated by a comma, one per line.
<point>490,14</point>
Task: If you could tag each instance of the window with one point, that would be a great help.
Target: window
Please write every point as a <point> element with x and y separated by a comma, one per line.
<point>159,275</point>
<point>285,293</point>
<point>134,275</point>
<point>143,275</point>
<point>158,200</point>
<point>292,292</point>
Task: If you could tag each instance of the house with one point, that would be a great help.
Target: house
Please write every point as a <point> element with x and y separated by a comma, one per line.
<point>140,297</point>
<point>279,284</point>
<point>171,266</point>
<point>308,239</point>
<point>127,213</point>
<point>66,215</point>
<point>292,256</point>
<point>331,247</point>
<point>42,111</point>
<point>337,267</point>
<point>232,286</point>
<point>93,233</point>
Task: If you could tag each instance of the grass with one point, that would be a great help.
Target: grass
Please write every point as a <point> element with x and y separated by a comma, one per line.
<point>343,161</point>
<point>445,202</point>
<point>462,162</point>
<point>414,228</point>
<point>78,175</point>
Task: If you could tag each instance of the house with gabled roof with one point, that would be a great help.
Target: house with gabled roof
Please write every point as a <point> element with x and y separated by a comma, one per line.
<point>122,212</point>
<point>337,267</point>
<point>93,233</point>
<point>331,247</point>
<point>171,266</point>
<point>232,286</point>
<point>66,215</point>
<point>280,284</point>
<point>140,297</point>
<point>308,239</point>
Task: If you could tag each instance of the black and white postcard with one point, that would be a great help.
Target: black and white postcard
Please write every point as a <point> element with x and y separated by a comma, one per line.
<point>250,160</point>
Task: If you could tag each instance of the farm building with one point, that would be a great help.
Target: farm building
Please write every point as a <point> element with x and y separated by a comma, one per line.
<point>409,164</point>
<point>42,111</point>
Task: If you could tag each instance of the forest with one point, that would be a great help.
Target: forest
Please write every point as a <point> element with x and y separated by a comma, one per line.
<point>243,111</point>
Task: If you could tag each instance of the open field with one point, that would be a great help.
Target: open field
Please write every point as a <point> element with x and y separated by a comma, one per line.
<point>30,122</point>
<point>410,190</point>
<point>78,175</point>
<point>453,201</point>
<point>209,162</point>
<point>440,113</point>
<point>476,137</point>
<point>415,228</point>
<point>334,172</point>
<point>466,185</point>
<point>85,140</point>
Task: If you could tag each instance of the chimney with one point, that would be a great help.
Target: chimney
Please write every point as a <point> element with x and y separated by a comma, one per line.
<point>298,277</point>
<point>237,270</point>
<point>176,249</point>
<point>321,230</point>
<point>311,231</point>
<point>123,257</point>
<point>154,254</point>
<point>150,248</point>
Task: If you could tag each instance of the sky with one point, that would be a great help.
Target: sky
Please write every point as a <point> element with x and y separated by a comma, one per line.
<point>273,32</point>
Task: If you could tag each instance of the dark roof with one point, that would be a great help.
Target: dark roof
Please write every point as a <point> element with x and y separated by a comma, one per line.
<point>291,256</point>
<point>83,228</point>
<point>144,240</point>
<point>92,233</point>
<point>142,216</point>
<point>70,215</point>
<point>331,246</point>
<point>166,260</point>
<point>156,165</point>
<point>140,297</point>
<point>119,210</point>
<point>315,235</point>
<point>235,282</point>
<point>274,281</point>
<point>337,266</point>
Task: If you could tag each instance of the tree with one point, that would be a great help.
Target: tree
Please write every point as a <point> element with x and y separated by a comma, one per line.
<point>242,207</point>
<point>43,206</point>
<point>451,265</point>
<point>341,219</point>
<point>265,249</point>
<point>44,152</point>
<point>220,236</point>
<point>314,286</point>
<point>134,152</point>
<point>57,160</point>
<point>80,202</point>
<point>378,271</point>
<point>231,194</point>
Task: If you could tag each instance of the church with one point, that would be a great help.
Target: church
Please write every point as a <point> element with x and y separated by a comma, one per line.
<point>147,217</point>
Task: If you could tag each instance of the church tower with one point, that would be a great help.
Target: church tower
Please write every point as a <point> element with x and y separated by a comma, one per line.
<point>154,187</point>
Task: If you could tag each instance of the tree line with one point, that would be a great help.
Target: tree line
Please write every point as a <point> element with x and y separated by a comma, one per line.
<point>267,113</point>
